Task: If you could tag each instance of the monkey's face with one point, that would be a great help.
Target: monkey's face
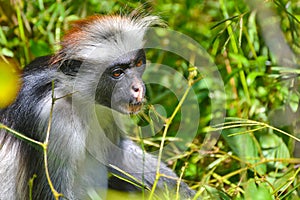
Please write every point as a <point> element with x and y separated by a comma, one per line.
<point>121,87</point>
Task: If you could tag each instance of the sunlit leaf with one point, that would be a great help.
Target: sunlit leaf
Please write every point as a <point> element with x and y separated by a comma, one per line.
<point>7,52</point>
<point>294,101</point>
<point>9,83</point>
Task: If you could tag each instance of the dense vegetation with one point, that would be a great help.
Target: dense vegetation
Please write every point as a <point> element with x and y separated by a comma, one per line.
<point>255,47</point>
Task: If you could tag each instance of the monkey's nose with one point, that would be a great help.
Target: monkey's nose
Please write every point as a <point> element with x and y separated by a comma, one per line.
<point>137,92</point>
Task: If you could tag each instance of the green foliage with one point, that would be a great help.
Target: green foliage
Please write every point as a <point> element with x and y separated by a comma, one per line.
<point>257,156</point>
<point>259,192</point>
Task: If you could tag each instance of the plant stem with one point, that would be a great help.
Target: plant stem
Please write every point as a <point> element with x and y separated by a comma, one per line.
<point>167,125</point>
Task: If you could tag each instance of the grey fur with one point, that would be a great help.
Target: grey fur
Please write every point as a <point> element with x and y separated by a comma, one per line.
<point>81,150</point>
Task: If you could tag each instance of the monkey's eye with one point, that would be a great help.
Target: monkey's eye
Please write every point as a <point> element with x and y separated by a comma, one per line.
<point>117,73</point>
<point>139,63</point>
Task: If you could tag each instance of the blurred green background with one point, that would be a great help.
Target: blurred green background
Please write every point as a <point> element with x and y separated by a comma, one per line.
<point>256,47</point>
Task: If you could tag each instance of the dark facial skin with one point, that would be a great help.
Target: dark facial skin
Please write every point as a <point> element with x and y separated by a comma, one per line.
<point>121,86</point>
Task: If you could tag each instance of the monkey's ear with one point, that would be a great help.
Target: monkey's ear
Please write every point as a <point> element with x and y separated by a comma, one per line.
<point>70,67</point>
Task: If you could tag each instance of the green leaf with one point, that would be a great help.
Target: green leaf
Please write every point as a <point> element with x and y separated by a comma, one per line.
<point>252,30</point>
<point>258,192</point>
<point>282,183</point>
<point>39,48</point>
<point>294,101</point>
<point>244,146</point>
<point>252,76</point>
<point>274,148</point>
<point>7,52</point>
<point>238,58</point>
<point>216,194</point>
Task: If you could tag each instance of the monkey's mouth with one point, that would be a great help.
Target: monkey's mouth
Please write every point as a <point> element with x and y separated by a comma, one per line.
<point>134,107</point>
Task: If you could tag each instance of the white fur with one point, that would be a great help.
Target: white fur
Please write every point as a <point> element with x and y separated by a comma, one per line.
<point>8,170</point>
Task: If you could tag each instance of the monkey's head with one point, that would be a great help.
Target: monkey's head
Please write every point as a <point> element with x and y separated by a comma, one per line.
<point>111,49</point>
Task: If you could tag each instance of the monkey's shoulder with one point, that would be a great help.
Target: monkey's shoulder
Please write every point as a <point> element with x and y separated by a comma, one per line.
<point>68,67</point>
<point>40,63</point>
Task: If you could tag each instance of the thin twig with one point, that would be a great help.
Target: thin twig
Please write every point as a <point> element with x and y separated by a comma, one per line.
<point>192,74</point>
<point>55,193</point>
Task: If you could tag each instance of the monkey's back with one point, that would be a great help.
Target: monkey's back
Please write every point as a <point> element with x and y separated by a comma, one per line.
<point>18,158</point>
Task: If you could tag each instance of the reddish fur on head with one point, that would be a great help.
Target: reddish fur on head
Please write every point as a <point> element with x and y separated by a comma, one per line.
<point>77,31</point>
<point>96,30</point>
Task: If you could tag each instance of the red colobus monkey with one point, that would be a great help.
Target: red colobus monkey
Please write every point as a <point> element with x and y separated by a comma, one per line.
<point>101,62</point>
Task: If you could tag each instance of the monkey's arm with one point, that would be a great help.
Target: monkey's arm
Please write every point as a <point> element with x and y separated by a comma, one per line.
<point>143,167</point>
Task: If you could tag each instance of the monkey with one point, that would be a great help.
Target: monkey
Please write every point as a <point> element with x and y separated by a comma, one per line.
<point>99,67</point>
